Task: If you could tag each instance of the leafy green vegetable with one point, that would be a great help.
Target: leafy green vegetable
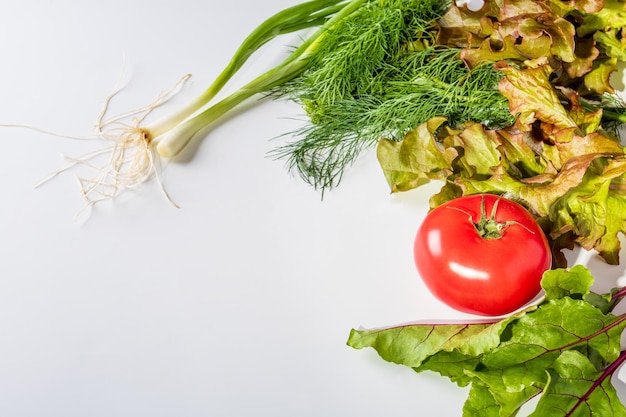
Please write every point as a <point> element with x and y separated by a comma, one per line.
<point>514,98</point>
<point>535,75</point>
<point>406,90</point>
<point>379,68</point>
<point>575,384</point>
<point>560,158</point>
<point>564,349</point>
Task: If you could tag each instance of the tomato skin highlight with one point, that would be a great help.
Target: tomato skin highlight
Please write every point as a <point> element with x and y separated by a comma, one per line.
<point>477,275</point>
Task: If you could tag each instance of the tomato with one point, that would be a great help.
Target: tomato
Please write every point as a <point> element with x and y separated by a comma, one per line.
<point>492,275</point>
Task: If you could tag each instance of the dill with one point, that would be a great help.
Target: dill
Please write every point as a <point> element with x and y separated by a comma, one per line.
<point>404,91</point>
<point>377,74</point>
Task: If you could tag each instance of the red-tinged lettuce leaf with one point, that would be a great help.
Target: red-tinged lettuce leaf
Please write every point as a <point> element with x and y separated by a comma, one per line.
<point>473,151</point>
<point>532,96</point>
<point>587,203</point>
<point>577,201</point>
<point>460,25</point>
<point>524,38</point>
<point>551,78</point>
<point>558,29</point>
<point>517,30</point>
<point>577,388</point>
<point>562,7</point>
<point>554,181</point>
<point>587,122</point>
<point>576,36</point>
<point>421,156</point>
<point>537,197</point>
<point>512,9</point>
<point>586,53</point>
<point>575,145</point>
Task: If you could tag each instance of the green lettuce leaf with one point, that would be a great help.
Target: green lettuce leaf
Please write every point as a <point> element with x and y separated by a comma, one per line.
<point>453,365</point>
<point>556,161</point>
<point>599,78</point>
<point>593,210</point>
<point>613,42</point>
<point>487,402</point>
<point>405,168</point>
<point>611,15</point>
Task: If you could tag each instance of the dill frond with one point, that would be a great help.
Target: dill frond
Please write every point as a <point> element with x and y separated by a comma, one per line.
<point>376,74</point>
<point>405,92</point>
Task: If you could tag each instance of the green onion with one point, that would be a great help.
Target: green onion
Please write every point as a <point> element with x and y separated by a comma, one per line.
<point>174,133</point>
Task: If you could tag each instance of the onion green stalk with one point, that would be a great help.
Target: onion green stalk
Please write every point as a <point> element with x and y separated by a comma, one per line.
<point>342,73</point>
<point>342,69</point>
<point>369,70</point>
<point>135,152</point>
<point>302,16</point>
<point>174,133</point>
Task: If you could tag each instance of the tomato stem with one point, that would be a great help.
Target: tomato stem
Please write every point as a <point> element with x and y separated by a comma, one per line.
<point>489,227</point>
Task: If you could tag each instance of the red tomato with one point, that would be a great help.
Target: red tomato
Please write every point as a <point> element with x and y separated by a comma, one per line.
<point>490,275</point>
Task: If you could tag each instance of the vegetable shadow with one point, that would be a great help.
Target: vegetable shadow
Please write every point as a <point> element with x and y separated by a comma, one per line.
<point>189,152</point>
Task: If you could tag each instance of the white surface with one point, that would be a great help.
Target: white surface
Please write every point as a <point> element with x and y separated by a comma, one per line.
<point>237,304</point>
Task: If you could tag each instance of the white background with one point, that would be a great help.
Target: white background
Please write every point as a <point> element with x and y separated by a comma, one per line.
<point>240,302</point>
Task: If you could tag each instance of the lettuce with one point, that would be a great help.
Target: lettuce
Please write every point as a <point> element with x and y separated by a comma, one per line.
<point>561,158</point>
